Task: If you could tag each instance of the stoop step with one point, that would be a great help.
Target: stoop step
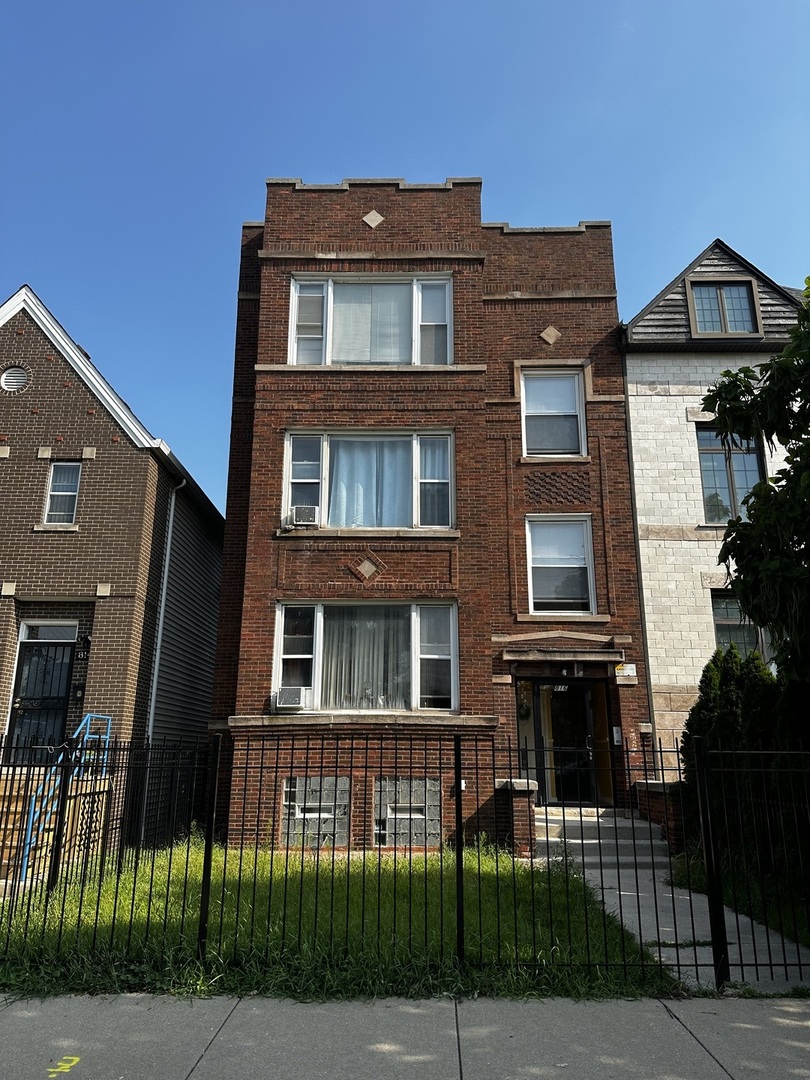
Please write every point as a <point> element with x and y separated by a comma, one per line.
<point>599,839</point>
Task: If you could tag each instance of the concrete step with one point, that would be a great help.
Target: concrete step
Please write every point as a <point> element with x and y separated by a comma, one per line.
<point>594,855</point>
<point>606,841</point>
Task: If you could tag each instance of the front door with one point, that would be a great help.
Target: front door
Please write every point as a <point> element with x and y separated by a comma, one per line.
<point>41,689</point>
<point>562,733</point>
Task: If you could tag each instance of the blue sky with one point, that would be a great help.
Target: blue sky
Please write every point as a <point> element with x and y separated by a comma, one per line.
<point>138,138</point>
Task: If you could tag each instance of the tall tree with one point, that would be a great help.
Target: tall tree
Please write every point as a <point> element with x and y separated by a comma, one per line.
<point>767,554</point>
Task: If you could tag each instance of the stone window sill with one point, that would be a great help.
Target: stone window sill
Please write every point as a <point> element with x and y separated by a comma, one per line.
<point>712,530</point>
<point>375,369</point>
<point>555,459</point>
<point>563,618</point>
<point>56,528</point>
<point>315,533</point>
<point>422,718</point>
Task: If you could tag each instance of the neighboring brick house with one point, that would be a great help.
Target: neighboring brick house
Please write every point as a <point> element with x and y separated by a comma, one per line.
<point>719,313</point>
<point>111,553</point>
<point>429,523</point>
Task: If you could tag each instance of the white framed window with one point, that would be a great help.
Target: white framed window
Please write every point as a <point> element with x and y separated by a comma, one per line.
<point>553,413</point>
<point>373,657</point>
<point>723,307</point>
<point>370,481</point>
<point>63,493</point>
<point>560,555</point>
<point>376,320</point>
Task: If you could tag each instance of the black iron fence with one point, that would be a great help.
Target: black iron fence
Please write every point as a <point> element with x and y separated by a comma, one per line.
<point>420,852</point>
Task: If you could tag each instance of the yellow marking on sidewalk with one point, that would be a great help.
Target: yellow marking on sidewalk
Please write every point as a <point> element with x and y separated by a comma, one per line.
<point>64,1066</point>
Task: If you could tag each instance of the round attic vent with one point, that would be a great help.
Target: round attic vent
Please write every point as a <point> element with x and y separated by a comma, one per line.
<point>14,378</point>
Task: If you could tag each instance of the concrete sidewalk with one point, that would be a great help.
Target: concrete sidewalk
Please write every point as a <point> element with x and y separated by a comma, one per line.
<point>140,1037</point>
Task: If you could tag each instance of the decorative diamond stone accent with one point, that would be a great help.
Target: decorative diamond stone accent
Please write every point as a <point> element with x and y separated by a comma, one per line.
<point>551,334</point>
<point>367,566</point>
<point>373,219</point>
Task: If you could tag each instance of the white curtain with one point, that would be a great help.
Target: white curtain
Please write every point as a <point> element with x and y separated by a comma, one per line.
<point>434,475</point>
<point>370,483</point>
<point>366,657</point>
<point>371,324</point>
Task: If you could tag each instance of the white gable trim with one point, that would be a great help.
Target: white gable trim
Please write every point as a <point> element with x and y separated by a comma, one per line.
<point>25,299</point>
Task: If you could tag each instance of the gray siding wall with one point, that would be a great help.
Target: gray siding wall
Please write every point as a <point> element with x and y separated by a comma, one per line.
<point>186,671</point>
<point>668,321</point>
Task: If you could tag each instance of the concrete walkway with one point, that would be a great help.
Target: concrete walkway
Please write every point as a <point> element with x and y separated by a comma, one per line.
<point>628,865</point>
<point>140,1037</point>
<point>653,911</point>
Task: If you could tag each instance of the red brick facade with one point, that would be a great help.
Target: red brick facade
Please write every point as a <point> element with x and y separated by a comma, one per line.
<point>508,288</point>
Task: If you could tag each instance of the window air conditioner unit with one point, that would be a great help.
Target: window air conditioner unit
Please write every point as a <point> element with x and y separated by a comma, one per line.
<point>305,515</point>
<point>294,697</point>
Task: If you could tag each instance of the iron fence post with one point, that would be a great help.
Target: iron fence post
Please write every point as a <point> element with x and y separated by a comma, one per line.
<point>210,824</point>
<point>714,885</point>
<point>459,850</point>
<point>61,814</point>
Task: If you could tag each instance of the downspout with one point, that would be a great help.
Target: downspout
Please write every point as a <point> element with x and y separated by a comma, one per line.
<point>164,588</point>
<point>639,577</point>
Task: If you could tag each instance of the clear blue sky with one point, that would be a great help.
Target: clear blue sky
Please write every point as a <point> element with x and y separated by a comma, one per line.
<point>138,137</point>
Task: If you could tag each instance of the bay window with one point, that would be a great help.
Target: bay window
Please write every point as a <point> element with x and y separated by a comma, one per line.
<point>370,481</point>
<point>369,657</point>
<point>349,321</point>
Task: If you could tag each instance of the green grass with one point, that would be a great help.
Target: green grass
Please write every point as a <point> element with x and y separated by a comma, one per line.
<point>324,925</point>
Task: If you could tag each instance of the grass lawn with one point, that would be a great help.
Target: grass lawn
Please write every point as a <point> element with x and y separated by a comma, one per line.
<point>323,925</point>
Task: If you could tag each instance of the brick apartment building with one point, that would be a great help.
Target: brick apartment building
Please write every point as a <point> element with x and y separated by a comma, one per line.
<point>110,558</point>
<point>429,523</point>
<point>719,313</point>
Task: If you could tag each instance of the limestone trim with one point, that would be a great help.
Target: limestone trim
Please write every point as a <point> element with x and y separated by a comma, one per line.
<point>405,255</point>
<point>359,719</point>
<point>563,617</point>
<point>374,369</point>
<point>596,656</point>
<point>703,533</point>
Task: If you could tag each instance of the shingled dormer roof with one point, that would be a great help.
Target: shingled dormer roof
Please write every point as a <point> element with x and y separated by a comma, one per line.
<point>668,322</point>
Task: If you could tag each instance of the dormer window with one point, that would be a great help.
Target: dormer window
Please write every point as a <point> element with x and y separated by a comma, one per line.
<point>723,308</point>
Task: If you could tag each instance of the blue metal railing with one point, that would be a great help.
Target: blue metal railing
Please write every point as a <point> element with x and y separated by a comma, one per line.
<point>87,747</point>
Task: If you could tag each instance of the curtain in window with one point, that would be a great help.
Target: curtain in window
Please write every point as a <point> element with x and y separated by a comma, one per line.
<point>371,324</point>
<point>435,681</point>
<point>434,488</point>
<point>370,483</point>
<point>366,657</point>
